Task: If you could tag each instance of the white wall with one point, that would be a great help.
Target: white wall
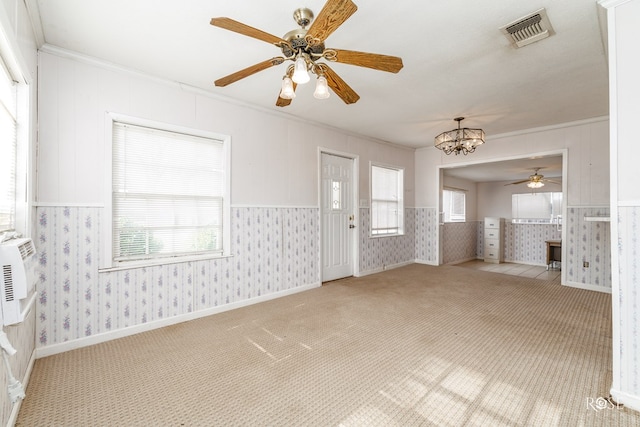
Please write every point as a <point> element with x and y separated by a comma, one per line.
<point>274,158</point>
<point>588,159</point>
<point>494,198</point>
<point>624,92</point>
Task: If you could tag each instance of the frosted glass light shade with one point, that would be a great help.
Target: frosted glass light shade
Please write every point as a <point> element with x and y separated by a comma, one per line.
<point>300,73</point>
<point>322,88</point>
<point>287,91</point>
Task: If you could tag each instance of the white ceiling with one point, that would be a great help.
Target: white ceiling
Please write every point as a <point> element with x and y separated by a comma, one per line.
<point>456,61</point>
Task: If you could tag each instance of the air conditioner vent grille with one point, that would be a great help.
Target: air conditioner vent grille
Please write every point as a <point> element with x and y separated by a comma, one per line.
<point>26,249</point>
<point>528,29</point>
<point>8,282</point>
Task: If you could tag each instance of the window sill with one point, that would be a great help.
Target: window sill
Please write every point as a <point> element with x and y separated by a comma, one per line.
<point>161,261</point>
<point>380,236</point>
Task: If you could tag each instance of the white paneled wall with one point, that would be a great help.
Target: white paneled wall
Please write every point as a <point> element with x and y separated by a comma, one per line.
<point>624,68</point>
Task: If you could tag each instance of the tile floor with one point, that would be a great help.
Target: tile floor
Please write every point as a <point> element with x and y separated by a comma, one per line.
<point>525,270</point>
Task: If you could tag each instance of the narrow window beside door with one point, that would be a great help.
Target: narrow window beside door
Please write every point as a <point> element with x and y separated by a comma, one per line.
<point>387,204</point>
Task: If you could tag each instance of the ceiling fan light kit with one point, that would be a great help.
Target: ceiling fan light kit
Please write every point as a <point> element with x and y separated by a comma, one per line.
<point>305,47</point>
<point>460,140</point>
<point>535,181</point>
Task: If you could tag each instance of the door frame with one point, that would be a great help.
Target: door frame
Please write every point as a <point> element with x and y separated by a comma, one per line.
<point>355,248</point>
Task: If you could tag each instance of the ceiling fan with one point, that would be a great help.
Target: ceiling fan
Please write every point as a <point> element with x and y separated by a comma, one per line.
<point>535,181</point>
<point>305,47</point>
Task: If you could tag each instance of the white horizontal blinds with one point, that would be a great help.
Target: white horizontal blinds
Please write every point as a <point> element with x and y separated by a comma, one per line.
<point>167,193</point>
<point>385,200</point>
<point>8,144</point>
<point>454,203</point>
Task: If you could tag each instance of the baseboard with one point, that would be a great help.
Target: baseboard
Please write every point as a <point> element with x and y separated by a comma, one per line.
<point>588,287</point>
<point>425,262</point>
<point>629,400</point>
<point>381,269</point>
<point>136,329</point>
<point>15,410</point>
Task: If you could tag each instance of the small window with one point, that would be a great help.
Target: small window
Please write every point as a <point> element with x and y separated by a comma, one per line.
<point>169,193</point>
<point>454,205</point>
<point>387,204</point>
<point>537,208</point>
<point>11,165</point>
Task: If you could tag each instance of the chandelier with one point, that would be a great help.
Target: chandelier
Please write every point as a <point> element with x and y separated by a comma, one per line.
<point>461,140</point>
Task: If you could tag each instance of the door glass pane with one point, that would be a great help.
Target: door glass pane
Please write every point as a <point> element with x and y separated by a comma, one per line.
<point>336,200</point>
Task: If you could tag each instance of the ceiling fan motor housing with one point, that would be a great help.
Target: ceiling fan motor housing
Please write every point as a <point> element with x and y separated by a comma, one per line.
<point>296,39</point>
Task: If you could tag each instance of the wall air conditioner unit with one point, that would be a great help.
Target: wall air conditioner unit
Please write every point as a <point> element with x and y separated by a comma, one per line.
<point>17,284</point>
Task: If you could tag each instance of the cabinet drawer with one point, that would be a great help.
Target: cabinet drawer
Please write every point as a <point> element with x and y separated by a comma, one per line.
<point>491,253</point>
<point>492,222</point>
<point>491,244</point>
<point>492,233</point>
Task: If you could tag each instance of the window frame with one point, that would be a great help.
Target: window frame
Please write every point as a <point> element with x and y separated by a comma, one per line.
<point>400,200</point>
<point>16,69</point>
<point>451,206</point>
<point>107,262</point>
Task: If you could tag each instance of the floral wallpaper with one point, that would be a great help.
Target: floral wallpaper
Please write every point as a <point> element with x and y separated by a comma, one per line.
<point>588,241</point>
<point>629,294</point>
<point>274,249</point>
<point>426,227</point>
<point>526,243</point>
<point>382,252</point>
<point>459,241</point>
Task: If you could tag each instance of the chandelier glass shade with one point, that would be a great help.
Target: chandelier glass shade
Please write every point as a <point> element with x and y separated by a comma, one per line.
<point>461,140</point>
<point>535,184</point>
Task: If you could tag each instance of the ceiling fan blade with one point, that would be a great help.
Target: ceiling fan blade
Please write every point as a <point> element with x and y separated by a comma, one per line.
<point>519,182</point>
<point>551,181</point>
<point>281,102</point>
<point>239,27</point>
<point>391,64</point>
<point>348,95</point>
<point>238,75</point>
<point>332,15</point>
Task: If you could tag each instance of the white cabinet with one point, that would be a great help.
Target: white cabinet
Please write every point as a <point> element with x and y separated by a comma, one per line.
<point>493,237</point>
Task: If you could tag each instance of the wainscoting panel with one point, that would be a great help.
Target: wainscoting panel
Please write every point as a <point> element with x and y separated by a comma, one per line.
<point>459,241</point>
<point>526,243</point>
<point>426,227</point>
<point>628,330</point>
<point>274,249</point>
<point>381,252</point>
<point>588,241</point>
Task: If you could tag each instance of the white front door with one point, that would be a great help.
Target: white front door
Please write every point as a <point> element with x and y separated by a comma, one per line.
<point>338,225</point>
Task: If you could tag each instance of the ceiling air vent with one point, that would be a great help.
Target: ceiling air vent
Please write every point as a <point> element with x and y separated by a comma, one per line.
<point>528,29</point>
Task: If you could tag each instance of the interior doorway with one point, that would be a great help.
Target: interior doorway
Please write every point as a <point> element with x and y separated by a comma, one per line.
<point>489,186</point>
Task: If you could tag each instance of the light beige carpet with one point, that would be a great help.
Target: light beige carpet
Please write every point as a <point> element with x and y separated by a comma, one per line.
<point>418,345</point>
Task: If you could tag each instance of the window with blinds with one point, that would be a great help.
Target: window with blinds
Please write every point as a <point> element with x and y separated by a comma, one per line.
<point>454,205</point>
<point>387,201</point>
<point>168,193</point>
<point>8,147</point>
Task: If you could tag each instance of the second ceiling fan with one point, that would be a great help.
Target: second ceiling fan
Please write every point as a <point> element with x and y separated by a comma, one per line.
<point>305,47</point>
<point>535,181</point>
